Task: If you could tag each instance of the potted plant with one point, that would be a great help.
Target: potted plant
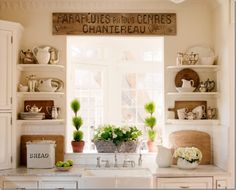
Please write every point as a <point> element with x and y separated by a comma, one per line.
<point>77,143</point>
<point>187,157</point>
<point>150,122</point>
<point>110,138</point>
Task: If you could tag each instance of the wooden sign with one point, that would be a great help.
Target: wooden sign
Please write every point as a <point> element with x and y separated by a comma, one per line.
<point>114,24</point>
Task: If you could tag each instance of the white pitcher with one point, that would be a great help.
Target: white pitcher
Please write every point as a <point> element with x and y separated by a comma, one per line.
<point>164,157</point>
<point>42,54</point>
<point>187,83</point>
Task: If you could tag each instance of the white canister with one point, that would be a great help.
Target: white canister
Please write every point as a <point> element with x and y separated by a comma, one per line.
<point>164,157</point>
<point>41,154</point>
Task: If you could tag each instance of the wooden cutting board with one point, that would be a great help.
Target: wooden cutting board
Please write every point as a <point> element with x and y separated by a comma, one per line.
<point>186,104</point>
<point>41,103</point>
<point>59,150</point>
<point>192,138</point>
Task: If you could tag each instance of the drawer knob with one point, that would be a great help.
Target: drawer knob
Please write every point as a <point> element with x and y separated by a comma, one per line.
<point>184,187</point>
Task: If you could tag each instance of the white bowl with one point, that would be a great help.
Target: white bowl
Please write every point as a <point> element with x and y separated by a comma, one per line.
<point>188,89</point>
<point>23,88</point>
<point>207,60</point>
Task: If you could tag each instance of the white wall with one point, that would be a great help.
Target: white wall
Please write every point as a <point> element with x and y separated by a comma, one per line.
<point>223,136</point>
<point>194,26</point>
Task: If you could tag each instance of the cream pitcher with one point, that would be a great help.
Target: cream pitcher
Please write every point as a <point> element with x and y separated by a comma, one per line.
<point>42,54</point>
<point>187,83</point>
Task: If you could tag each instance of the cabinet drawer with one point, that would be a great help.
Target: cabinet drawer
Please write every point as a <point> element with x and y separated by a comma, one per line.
<point>58,185</point>
<point>20,184</point>
<point>221,184</point>
<point>185,183</point>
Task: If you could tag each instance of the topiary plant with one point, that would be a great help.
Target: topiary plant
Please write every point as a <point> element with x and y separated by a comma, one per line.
<point>78,143</point>
<point>150,121</point>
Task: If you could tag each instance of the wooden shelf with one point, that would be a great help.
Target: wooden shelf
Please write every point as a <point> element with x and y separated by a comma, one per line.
<point>39,122</point>
<point>210,94</point>
<point>193,122</point>
<point>212,67</point>
<point>40,94</point>
<point>30,67</point>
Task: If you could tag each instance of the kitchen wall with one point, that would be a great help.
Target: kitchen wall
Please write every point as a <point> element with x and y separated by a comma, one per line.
<point>194,26</point>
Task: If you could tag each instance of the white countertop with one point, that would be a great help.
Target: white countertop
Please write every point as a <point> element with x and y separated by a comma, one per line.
<point>78,171</point>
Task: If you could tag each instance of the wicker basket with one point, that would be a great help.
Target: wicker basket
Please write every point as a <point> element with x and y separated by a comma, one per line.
<point>105,146</point>
<point>129,147</point>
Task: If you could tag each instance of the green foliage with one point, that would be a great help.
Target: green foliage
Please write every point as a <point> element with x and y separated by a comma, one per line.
<point>117,134</point>
<point>151,134</point>
<point>150,107</point>
<point>150,121</point>
<point>78,135</point>
<point>75,106</point>
<point>77,122</point>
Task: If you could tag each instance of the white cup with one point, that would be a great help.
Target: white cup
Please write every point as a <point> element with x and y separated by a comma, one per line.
<point>199,111</point>
<point>182,113</point>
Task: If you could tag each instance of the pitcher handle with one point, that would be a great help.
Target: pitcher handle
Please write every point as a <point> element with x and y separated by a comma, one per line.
<point>27,108</point>
<point>192,82</point>
<point>47,109</point>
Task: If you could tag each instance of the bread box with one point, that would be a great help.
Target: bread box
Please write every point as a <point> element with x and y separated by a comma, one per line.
<point>40,154</point>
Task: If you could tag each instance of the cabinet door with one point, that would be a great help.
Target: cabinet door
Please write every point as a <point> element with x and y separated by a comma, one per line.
<point>58,185</point>
<point>20,185</point>
<point>5,69</point>
<point>185,183</point>
<point>5,140</point>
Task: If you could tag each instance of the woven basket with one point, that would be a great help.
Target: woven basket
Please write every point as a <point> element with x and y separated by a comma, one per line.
<point>105,146</point>
<point>129,147</point>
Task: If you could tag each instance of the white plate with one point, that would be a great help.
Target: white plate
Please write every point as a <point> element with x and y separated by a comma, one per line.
<point>203,51</point>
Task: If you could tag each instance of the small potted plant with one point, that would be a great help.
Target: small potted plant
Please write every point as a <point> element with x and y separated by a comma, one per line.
<point>77,143</point>
<point>187,157</point>
<point>150,122</point>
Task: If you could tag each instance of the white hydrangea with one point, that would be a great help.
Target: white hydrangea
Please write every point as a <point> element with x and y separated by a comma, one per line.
<point>188,153</point>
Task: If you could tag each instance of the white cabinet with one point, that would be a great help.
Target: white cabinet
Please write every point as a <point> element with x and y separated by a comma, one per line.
<point>5,140</point>
<point>92,182</point>
<point>185,183</point>
<point>5,68</point>
<point>20,185</point>
<point>58,185</point>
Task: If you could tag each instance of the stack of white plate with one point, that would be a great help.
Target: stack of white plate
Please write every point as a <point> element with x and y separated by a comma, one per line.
<point>32,116</point>
<point>185,89</point>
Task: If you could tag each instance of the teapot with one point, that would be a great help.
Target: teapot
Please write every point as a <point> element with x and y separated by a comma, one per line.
<point>210,85</point>
<point>42,54</point>
<point>187,83</point>
<point>49,85</point>
<point>33,109</point>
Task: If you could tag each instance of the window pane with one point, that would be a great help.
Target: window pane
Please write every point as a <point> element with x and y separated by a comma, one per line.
<point>128,115</point>
<point>128,98</point>
<point>129,81</point>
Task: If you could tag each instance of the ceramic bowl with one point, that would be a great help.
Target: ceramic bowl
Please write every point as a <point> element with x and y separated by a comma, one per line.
<point>207,60</point>
<point>23,88</point>
<point>186,89</point>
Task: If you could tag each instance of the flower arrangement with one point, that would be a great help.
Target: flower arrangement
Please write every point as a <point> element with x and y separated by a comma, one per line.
<point>190,154</point>
<point>113,138</point>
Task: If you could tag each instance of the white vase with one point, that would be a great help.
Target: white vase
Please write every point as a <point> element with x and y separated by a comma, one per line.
<point>184,164</point>
<point>164,157</point>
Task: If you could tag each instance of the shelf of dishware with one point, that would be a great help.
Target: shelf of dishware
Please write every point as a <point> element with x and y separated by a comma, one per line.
<point>191,94</point>
<point>39,122</point>
<point>29,67</point>
<point>20,94</point>
<point>178,67</point>
<point>193,122</point>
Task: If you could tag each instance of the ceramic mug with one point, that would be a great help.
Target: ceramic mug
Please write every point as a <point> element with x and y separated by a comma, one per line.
<point>182,113</point>
<point>200,111</point>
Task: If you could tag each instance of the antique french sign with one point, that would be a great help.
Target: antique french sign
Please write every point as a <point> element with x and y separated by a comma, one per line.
<point>114,23</point>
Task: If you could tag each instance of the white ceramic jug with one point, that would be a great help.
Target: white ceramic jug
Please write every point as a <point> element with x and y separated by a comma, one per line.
<point>42,54</point>
<point>164,157</point>
<point>187,83</point>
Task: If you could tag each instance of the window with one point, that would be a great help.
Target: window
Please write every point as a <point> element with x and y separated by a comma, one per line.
<point>113,78</point>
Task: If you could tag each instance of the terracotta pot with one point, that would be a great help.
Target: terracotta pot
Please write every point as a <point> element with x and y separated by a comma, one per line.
<point>151,146</point>
<point>77,146</point>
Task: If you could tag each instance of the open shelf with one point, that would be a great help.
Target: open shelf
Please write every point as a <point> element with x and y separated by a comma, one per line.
<point>193,122</point>
<point>205,67</point>
<point>30,67</point>
<point>40,94</point>
<point>39,122</point>
<point>190,94</point>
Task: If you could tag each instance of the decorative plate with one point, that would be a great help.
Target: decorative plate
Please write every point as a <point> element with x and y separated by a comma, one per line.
<point>187,74</point>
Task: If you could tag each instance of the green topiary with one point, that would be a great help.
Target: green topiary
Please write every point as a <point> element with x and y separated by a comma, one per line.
<point>77,122</point>
<point>151,120</point>
<point>75,106</point>
<point>78,135</point>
